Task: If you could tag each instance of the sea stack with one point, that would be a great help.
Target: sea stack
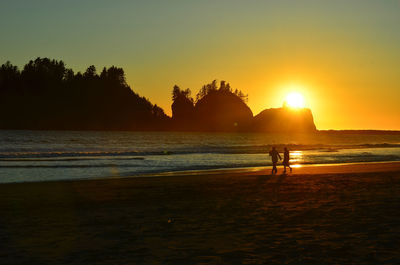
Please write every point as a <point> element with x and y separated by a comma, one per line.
<point>284,119</point>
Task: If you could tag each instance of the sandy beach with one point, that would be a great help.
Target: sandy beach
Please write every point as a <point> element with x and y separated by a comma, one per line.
<point>345,214</point>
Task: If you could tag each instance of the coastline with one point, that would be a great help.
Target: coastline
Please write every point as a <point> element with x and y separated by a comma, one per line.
<point>309,169</point>
<point>323,214</point>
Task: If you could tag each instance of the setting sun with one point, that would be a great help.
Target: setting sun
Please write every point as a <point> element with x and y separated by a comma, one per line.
<point>295,100</point>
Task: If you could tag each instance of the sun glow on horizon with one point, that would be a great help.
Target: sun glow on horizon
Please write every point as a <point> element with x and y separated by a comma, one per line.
<point>295,100</point>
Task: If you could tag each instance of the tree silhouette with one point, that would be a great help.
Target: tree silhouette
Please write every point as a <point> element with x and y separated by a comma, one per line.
<point>182,108</point>
<point>47,95</point>
<point>215,109</point>
<point>223,88</point>
<point>9,75</point>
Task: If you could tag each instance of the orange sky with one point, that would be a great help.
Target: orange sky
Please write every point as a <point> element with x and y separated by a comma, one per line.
<point>343,56</point>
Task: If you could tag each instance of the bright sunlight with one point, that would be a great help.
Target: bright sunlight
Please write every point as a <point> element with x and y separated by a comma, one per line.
<point>295,100</point>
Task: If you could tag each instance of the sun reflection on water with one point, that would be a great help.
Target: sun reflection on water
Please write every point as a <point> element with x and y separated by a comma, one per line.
<point>295,158</point>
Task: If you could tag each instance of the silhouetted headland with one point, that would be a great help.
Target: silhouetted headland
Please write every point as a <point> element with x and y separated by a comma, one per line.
<point>215,109</point>
<point>46,95</point>
<point>284,120</point>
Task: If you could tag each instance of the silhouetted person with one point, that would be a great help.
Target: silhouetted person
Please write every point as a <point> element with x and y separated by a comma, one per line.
<point>286,158</point>
<point>274,157</point>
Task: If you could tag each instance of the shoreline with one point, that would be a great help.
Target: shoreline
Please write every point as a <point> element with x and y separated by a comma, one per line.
<point>308,169</point>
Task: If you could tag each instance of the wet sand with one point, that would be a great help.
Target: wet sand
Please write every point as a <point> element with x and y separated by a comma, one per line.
<point>347,214</point>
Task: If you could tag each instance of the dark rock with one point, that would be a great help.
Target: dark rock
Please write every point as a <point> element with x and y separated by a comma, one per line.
<point>222,111</point>
<point>284,120</point>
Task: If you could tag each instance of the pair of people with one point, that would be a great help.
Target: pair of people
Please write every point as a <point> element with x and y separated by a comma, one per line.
<point>275,155</point>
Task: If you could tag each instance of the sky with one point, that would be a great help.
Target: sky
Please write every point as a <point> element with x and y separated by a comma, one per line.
<point>342,56</point>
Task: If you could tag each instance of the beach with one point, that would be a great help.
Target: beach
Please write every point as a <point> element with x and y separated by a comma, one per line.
<point>336,214</point>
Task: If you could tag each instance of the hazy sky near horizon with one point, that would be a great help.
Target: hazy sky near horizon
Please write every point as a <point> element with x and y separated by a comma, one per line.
<point>343,56</point>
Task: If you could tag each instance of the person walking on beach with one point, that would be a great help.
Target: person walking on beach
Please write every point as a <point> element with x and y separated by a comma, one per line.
<point>274,157</point>
<point>286,158</point>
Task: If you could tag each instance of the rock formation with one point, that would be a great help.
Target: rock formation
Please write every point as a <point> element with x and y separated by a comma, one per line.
<point>284,119</point>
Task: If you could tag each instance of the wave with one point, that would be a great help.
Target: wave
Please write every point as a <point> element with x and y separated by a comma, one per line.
<point>383,145</point>
<point>68,155</point>
<point>243,162</point>
<point>57,159</point>
<point>67,166</point>
<point>8,155</point>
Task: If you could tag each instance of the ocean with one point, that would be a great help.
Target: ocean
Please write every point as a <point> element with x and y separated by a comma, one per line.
<point>29,156</point>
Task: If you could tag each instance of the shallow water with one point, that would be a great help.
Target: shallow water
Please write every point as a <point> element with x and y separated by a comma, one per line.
<point>56,155</point>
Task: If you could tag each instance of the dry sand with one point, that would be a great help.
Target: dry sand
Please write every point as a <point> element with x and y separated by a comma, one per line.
<point>346,214</point>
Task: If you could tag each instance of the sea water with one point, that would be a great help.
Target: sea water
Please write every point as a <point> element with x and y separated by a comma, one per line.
<point>66,155</point>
